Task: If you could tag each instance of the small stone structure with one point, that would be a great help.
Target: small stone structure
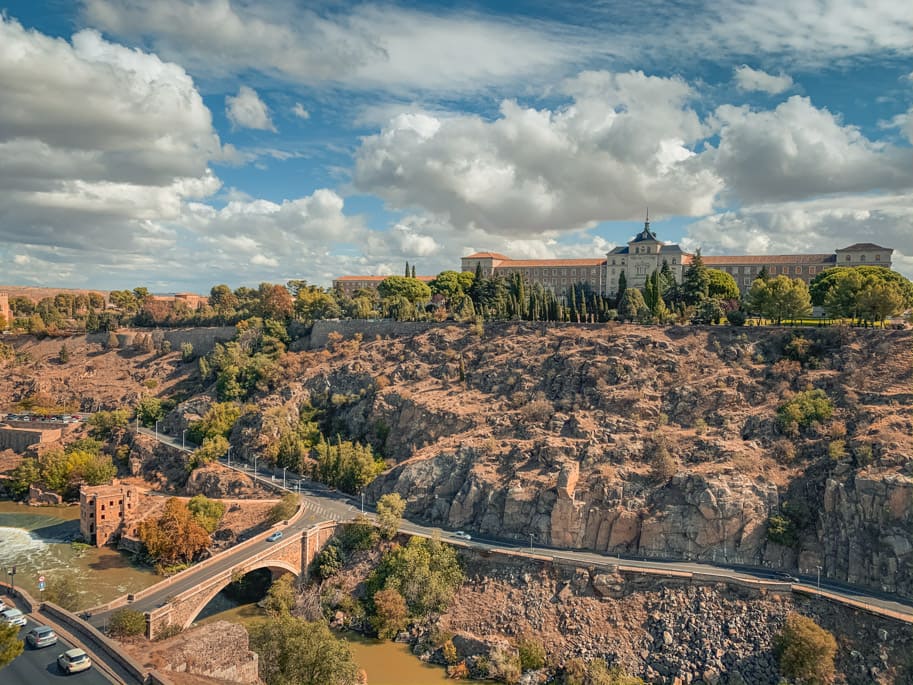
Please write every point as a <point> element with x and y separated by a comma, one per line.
<point>107,512</point>
<point>217,650</point>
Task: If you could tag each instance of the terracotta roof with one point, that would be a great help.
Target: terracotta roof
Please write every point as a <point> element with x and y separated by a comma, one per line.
<point>486,255</point>
<point>378,279</point>
<point>734,260</point>
<point>865,246</point>
<point>514,263</point>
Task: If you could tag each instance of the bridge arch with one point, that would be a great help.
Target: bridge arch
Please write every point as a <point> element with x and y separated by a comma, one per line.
<point>204,599</point>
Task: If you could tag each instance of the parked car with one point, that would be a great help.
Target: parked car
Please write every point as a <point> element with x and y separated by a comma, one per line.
<point>12,617</point>
<point>275,536</point>
<point>41,636</point>
<point>74,661</point>
<point>461,534</point>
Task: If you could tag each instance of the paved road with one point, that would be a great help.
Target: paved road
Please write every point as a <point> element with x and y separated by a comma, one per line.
<point>323,503</point>
<point>39,666</point>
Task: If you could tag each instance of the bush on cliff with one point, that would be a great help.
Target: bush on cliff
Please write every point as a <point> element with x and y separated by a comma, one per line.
<point>207,512</point>
<point>805,651</point>
<point>126,622</point>
<point>284,509</point>
<point>804,409</point>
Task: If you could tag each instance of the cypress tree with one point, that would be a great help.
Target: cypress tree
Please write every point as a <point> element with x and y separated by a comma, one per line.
<point>622,286</point>
<point>407,270</point>
<point>413,271</point>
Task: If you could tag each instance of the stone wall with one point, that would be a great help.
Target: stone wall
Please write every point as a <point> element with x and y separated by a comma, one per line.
<point>218,650</point>
<point>203,339</point>
<point>20,439</point>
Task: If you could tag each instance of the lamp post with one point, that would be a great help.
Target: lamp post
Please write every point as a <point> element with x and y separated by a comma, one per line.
<point>531,542</point>
<point>12,575</point>
<point>362,501</point>
<point>819,577</point>
<point>156,430</point>
<point>183,441</point>
<point>229,455</point>
<point>284,469</point>
<point>255,467</point>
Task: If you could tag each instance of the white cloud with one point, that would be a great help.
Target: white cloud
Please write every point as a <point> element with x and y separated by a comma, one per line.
<point>798,151</point>
<point>96,140</point>
<point>299,111</point>
<point>247,110</point>
<point>366,46</point>
<point>821,225</point>
<point>749,79</point>
<point>625,142</point>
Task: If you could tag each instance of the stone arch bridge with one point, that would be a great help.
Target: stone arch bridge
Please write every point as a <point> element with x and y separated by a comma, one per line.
<point>177,601</point>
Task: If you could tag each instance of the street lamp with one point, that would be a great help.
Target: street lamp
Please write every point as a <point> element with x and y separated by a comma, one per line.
<point>183,442</point>
<point>362,501</point>
<point>229,455</point>
<point>156,430</point>
<point>255,467</point>
<point>531,542</point>
<point>284,469</point>
<point>12,575</point>
<point>819,577</point>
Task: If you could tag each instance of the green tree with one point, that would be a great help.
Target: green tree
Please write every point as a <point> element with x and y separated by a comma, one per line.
<point>879,300</point>
<point>284,509</point>
<point>390,509</point>
<point>223,301</point>
<point>218,420</point>
<point>806,651</point>
<point>24,475</point>
<point>297,652</point>
<point>695,281</point>
<point>426,572</point>
<point>722,286</point>
<point>207,512</point>
<point>390,613</point>
<point>631,303</point>
<point>804,409</point>
<point>779,298</point>
<point>126,622</point>
<point>622,287</point>
<point>281,597</point>
<point>410,288</point>
<point>149,410</point>
<point>210,450</point>
<point>532,653</point>
<point>10,644</point>
<point>822,284</point>
<point>63,355</point>
<point>186,352</point>
<point>104,423</point>
<point>275,302</point>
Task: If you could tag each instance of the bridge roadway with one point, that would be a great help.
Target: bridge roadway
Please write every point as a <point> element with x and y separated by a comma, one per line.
<point>322,503</point>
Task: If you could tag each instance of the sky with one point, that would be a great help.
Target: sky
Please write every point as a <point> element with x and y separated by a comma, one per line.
<point>179,144</point>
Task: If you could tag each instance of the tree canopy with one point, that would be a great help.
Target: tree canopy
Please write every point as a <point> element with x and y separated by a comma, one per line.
<point>175,537</point>
<point>293,651</point>
<point>806,651</point>
<point>411,289</point>
<point>779,298</point>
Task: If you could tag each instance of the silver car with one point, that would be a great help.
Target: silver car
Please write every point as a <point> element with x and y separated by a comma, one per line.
<point>13,617</point>
<point>41,636</point>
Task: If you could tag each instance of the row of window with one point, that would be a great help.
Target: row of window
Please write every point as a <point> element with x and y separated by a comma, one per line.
<point>849,258</point>
<point>545,273</point>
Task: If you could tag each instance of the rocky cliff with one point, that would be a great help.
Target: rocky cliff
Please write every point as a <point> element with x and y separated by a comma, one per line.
<point>646,441</point>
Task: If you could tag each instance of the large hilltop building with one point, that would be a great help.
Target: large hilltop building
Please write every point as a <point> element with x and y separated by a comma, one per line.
<point>643,255</point>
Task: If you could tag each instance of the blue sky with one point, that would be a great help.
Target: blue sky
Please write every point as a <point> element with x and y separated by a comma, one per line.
<point>183,143</point>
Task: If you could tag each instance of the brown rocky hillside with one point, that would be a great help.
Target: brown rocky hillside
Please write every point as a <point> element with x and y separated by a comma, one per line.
<point>643,441</point>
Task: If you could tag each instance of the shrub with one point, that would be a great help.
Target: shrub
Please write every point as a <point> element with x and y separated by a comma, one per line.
<point>449,652</point>
<point>186,352</point>
<point>284,509</point>
<point>390,510</point>
<point>390,613</point>
<point>736,317</point>
<point>805,651</point>
<point>329,562</point>
<point>781,530</point>
<point>169,631</point>
<point>804,409</point>
<point>538,410</point>
<point>127,622</point>
<point>836,449</point>
<point>207,512</point>
<point>532,653</point>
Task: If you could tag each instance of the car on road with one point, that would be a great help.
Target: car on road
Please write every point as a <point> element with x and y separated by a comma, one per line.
<point>12,617</point>
<point>787,578</point>
<point>74,661</point>
<point>464,536</point>
<point>41,636</point>
<point>275,536</point>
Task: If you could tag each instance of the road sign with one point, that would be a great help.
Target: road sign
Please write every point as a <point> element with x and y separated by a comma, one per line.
<point>41,586</point>
<point>40,579</point>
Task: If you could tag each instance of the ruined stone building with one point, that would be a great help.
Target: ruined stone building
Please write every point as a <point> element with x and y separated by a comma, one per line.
<point>107,512</point>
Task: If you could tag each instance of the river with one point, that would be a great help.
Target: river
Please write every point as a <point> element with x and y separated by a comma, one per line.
<point>386,663</point>
<point>37,541</point>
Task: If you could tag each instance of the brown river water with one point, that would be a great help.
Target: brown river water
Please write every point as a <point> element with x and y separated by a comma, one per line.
<point>37,541</point>
<point>386,663</point>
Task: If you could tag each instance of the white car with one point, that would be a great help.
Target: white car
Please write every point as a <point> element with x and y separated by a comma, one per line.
<point>74,661</point>
<point>463,536</point>
<point>12,617</point>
